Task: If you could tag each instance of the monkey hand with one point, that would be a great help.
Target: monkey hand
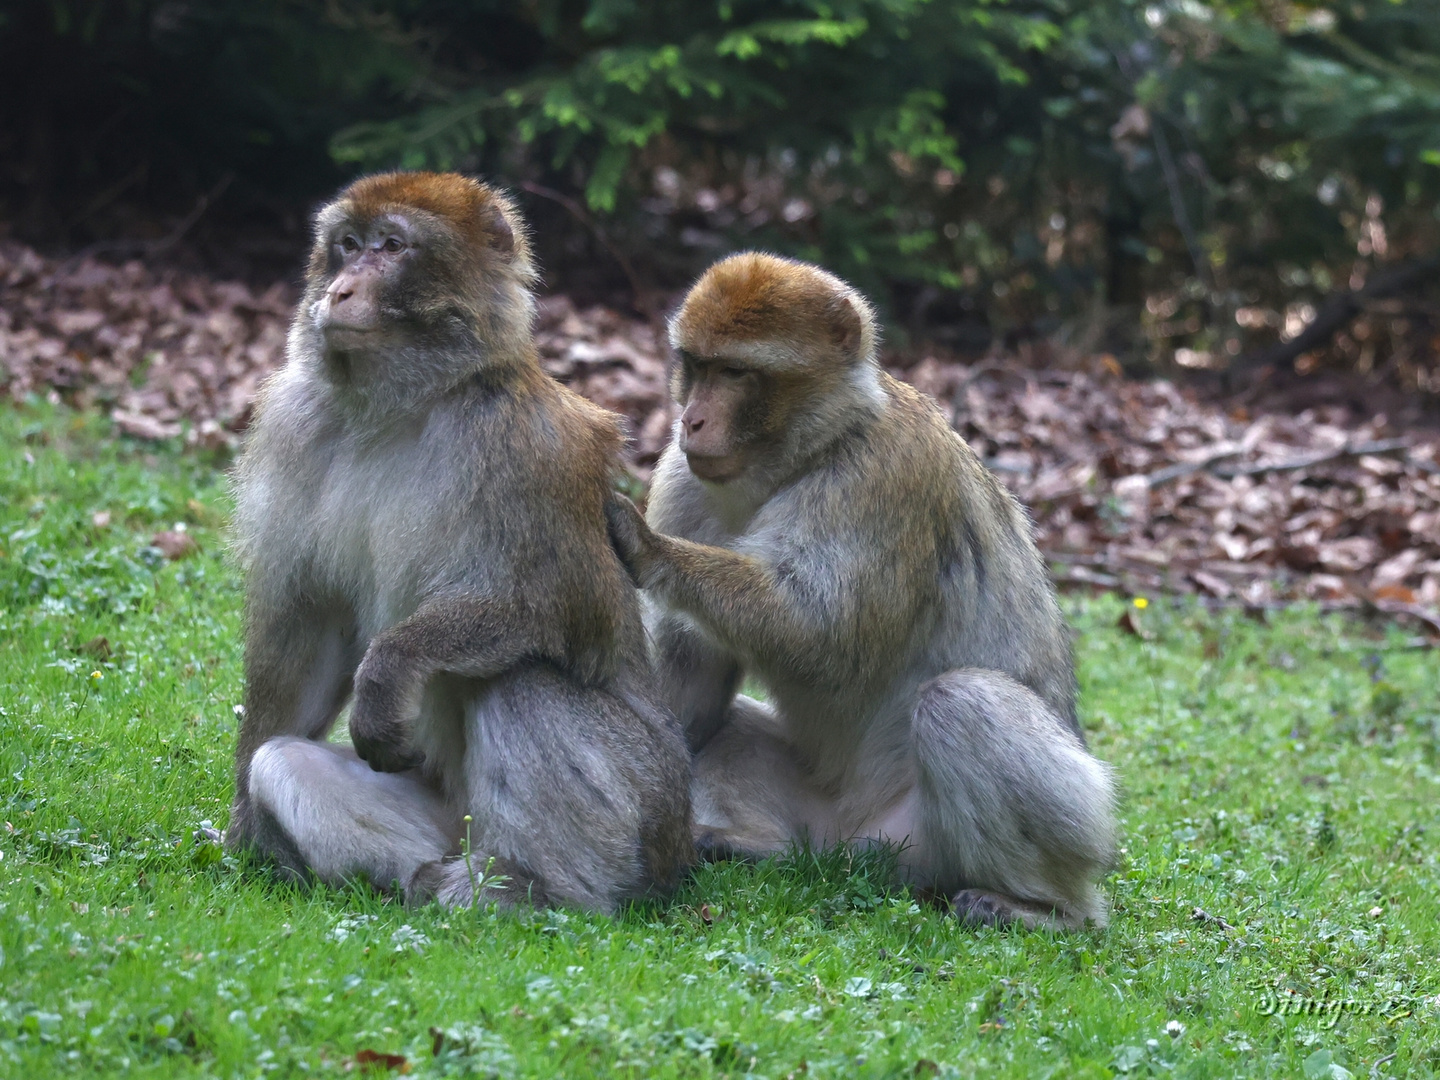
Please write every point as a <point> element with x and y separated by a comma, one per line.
<point>378,726</point>
<point>632,539</point>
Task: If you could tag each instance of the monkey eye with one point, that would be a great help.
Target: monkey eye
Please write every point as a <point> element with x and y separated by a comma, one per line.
<point>350,245</point>
<point>394,244</point>
<point>732,372</point>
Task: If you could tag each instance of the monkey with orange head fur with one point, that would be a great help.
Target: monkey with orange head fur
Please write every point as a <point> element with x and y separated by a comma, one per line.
<point>817,525</point>
<point>419,517</point>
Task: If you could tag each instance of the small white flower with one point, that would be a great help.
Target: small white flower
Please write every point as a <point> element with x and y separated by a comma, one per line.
<point>1174,1029</point>
<point>407,937</point>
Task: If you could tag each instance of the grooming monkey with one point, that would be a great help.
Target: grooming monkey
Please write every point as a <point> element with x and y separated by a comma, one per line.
<point>420,519</point>
<point>817,525</point>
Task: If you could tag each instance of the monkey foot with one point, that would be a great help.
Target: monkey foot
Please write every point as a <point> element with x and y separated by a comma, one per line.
<point>975,907</point>
<point>716,845</point>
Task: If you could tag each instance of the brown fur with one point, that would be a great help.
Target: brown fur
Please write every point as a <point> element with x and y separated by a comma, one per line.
<point>482,216</point>
<point>885,590</point>
<point>420,519</point>
<point>763,300</point>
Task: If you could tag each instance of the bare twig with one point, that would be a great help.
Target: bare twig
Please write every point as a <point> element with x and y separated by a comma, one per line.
<point>579,213</point>
<point>165,243</point>
<point>150,248</point>
<point>1200,915</point>
<point>1177,204</point>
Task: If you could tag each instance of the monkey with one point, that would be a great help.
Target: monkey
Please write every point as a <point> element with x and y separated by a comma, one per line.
<point>419,519</point>
<point>817,526</point>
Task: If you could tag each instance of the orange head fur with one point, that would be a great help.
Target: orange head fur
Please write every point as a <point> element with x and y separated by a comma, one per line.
<point>776,315</point>
<point>481,216</point>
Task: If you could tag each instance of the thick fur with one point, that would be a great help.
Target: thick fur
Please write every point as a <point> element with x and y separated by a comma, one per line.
<point>886,591</point>
<point>420,523</point>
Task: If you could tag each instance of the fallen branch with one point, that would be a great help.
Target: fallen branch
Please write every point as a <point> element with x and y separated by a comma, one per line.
<point>1319,457</point>
<point>1185,468</point>
<point>1414,611</point>
<point>1338,312</point>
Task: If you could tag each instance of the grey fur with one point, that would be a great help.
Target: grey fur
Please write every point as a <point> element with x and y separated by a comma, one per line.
<point>432,542</point>
<point>887,593</point>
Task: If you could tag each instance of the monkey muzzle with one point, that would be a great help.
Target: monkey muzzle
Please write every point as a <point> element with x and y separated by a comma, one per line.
<point>351,305</point>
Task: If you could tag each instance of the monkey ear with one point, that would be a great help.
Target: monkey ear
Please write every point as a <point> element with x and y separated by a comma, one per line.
<point>846,327</point>
<point>502,236</point>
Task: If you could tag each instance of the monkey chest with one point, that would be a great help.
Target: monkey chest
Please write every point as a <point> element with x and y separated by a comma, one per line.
<point>379,539</point>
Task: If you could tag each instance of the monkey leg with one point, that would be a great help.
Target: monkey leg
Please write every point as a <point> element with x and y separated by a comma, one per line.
<point>751,795</point>
<point>330,814</point>
<point>298,665</point>
<point>578,795</point>
<point>1015,818</point>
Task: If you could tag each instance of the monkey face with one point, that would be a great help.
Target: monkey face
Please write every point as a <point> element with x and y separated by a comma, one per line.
<point>726,416</point>
<point>370,260</point>
<point>416,280</point>
<point>771,355</point>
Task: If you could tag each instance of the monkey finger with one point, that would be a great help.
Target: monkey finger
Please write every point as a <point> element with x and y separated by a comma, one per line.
<point>627,531</point>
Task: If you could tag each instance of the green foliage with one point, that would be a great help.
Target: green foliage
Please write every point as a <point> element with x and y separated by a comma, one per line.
<point>1275,907</point>
<point>1210,156</point>
<point>1223,162</point>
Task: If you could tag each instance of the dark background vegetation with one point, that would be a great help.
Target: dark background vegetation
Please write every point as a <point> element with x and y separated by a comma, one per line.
<point>1182,184</point>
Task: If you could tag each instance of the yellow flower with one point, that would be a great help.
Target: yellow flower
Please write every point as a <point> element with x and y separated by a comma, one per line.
<point>97,676</point>
<point>1141,603</point>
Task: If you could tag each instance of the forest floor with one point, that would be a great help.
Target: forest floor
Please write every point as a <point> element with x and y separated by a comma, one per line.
<point>1134,486</point>
<point>1276,910</point>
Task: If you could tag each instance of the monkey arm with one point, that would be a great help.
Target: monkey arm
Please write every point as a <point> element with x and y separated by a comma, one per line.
<point>471,636</point>
<point>744,602</point>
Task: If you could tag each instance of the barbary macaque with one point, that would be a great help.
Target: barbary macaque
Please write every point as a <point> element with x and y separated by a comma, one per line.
<point>816,525</point>
<point>420,521</point>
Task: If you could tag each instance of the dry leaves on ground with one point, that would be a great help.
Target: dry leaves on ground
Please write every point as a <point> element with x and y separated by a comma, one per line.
<point>1133,485</point>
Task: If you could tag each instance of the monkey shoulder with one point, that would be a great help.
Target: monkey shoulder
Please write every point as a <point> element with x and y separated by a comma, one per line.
<point>891,476</point>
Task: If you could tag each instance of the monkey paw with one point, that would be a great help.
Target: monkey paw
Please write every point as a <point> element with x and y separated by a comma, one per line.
<point>381,743</point>
<point>375,728</point>
<point>717,845</point>
<point>385,754</point>
<point>629,535</point>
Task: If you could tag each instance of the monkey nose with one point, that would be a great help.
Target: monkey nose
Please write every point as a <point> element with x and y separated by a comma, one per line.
<point>340,296</point>
<point>694,425</point>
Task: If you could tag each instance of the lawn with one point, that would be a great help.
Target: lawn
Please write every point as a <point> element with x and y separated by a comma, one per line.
<point>1276,910</point>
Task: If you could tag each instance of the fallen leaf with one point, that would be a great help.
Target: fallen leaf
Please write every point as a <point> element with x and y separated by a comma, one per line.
<point>1402,593</point>
<point>98,647</point>
<point>1130,622</point>
<point>174,545</point>
<point>378,1061</point>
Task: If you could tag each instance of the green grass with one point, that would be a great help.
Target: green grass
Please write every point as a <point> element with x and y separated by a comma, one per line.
<point>1280,776</point>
